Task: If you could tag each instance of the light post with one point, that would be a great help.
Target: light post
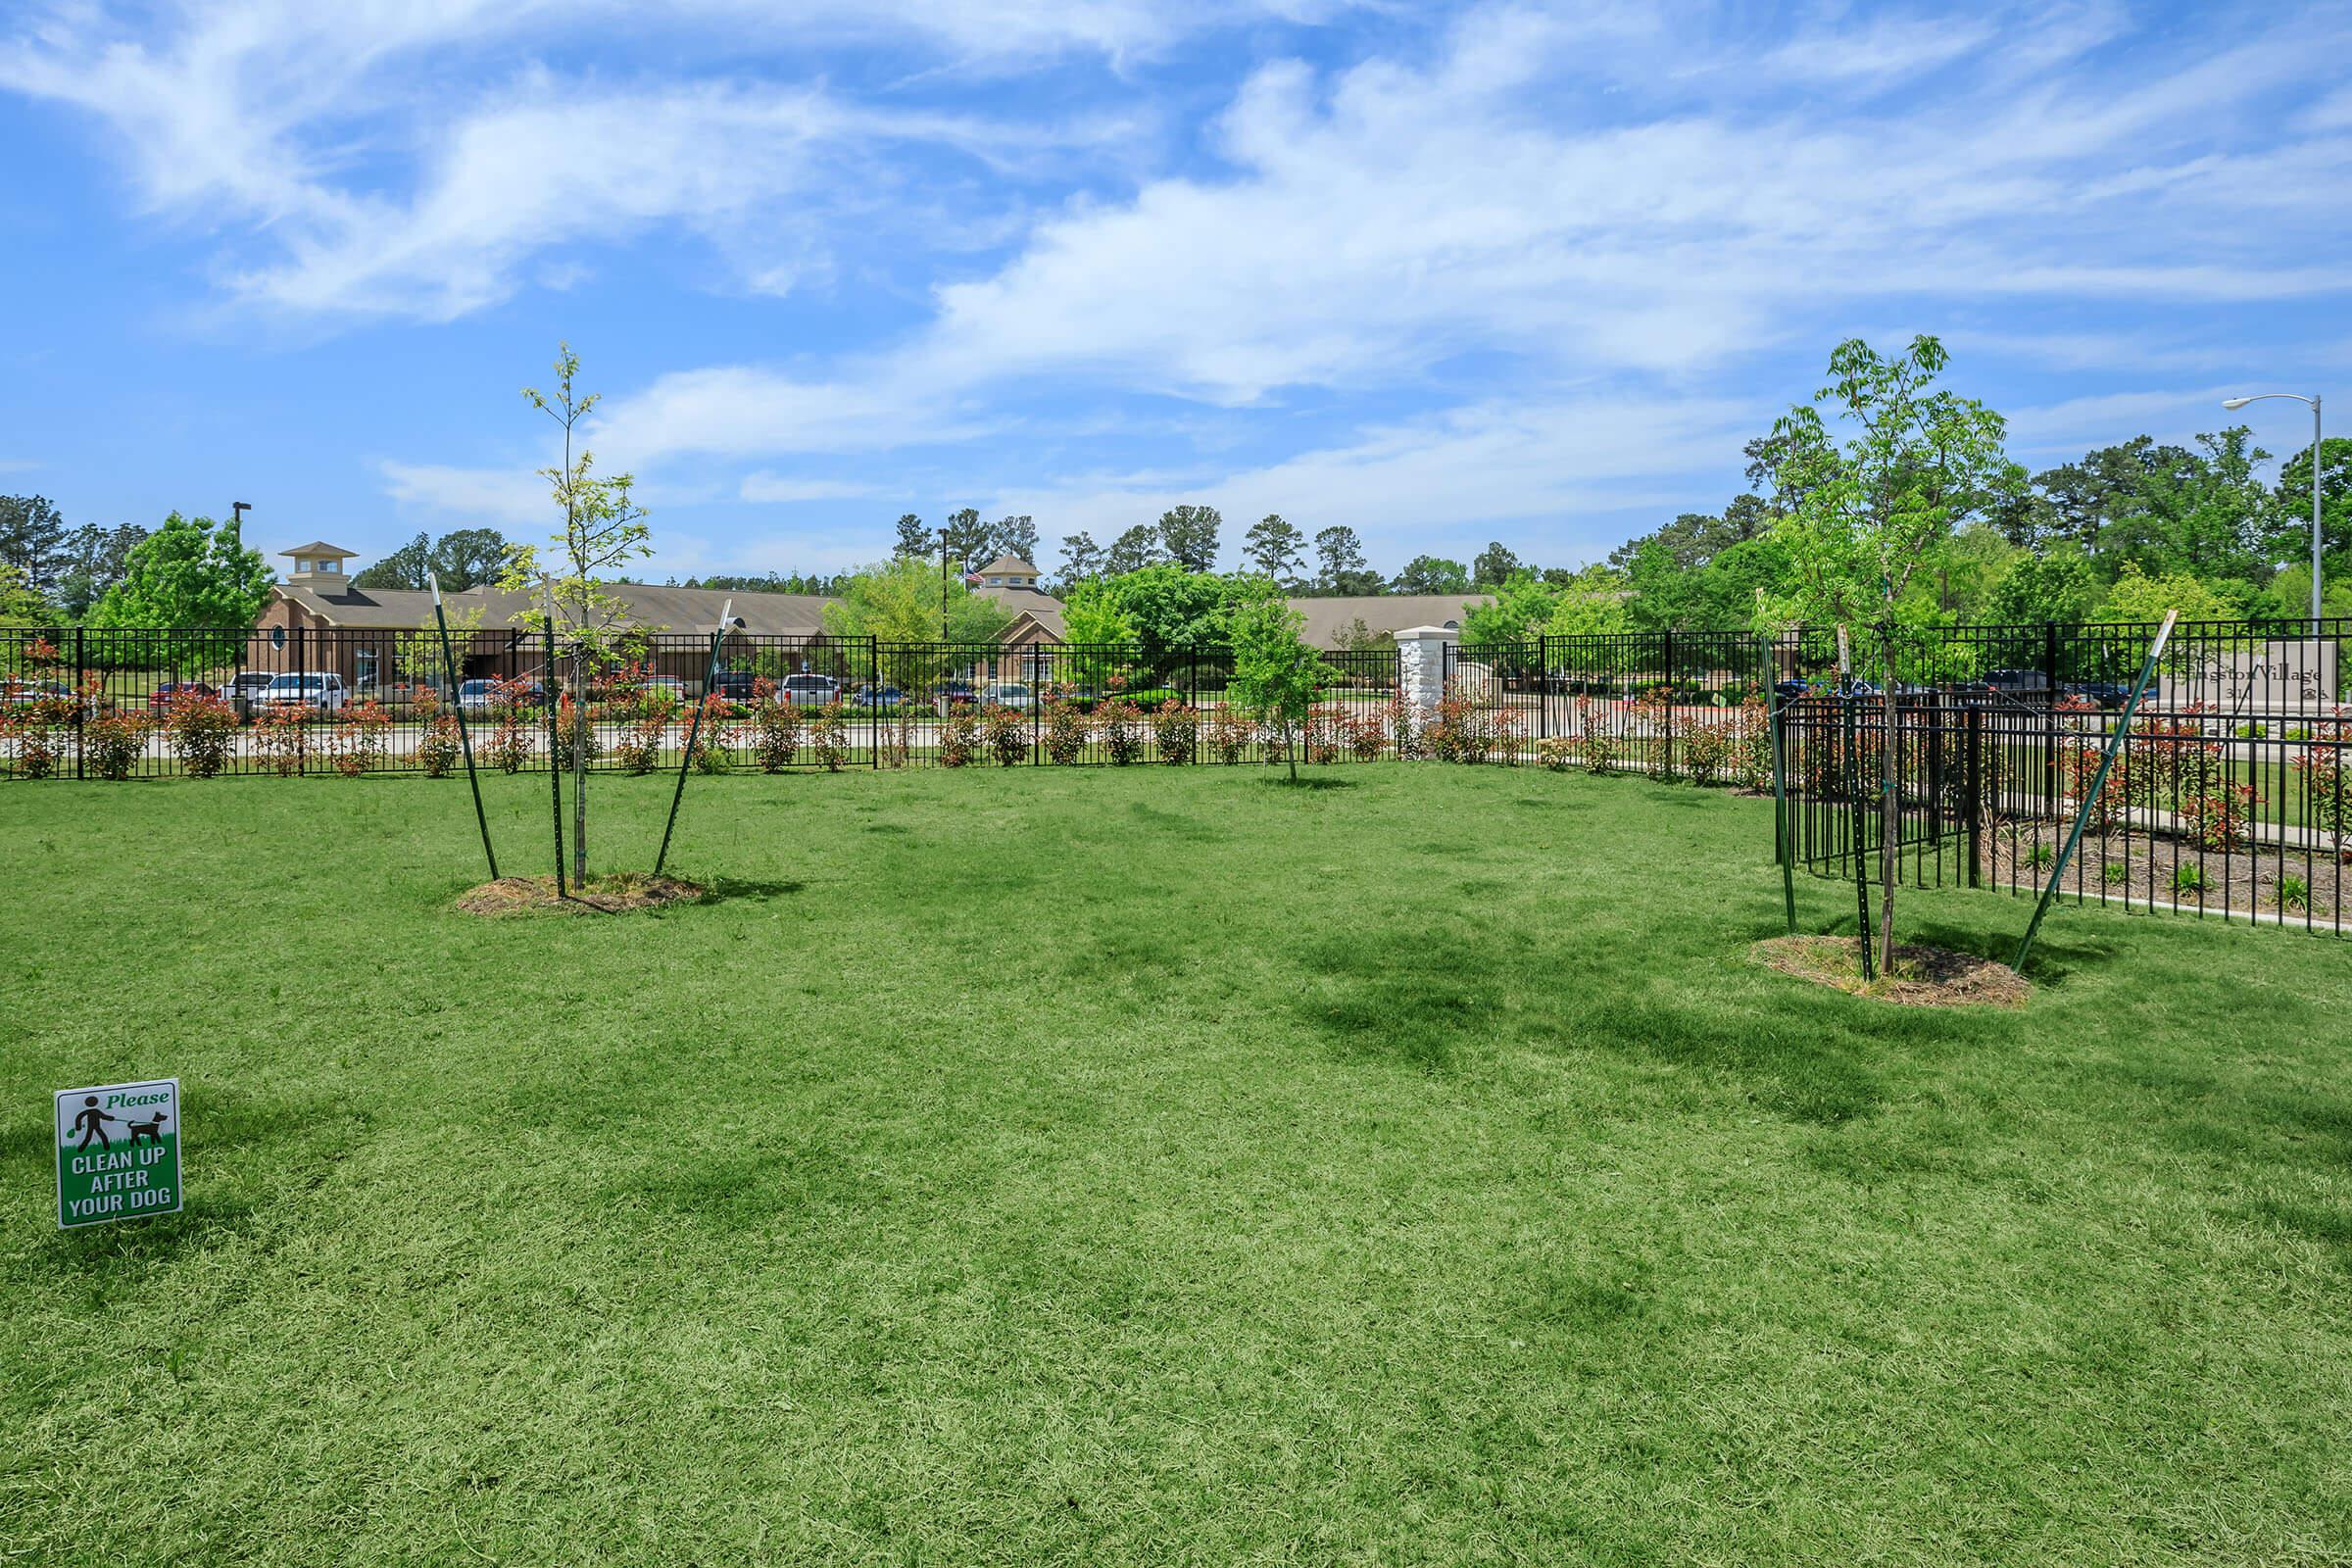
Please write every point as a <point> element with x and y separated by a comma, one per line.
<point>943,585</point>
<point>237,522</point>
<point>2314,400</point>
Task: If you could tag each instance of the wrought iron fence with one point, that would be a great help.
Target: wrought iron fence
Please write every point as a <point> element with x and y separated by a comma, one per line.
<point>133,704</point>
<point>2227,796</point>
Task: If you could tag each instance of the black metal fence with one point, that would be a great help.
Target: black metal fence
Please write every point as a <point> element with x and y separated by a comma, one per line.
<point>92,703</point>
<point>2227,796</point>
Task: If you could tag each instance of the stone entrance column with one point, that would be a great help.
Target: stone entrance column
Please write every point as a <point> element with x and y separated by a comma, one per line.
<point>1421,664</point>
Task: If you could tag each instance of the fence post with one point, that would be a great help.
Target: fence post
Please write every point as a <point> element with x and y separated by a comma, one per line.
<point>1972,773</point>
<point>874,709</point>
<point>80,708</point>
<point>1668,659</point>
<point>302,725</point>
<point>2049,717</point>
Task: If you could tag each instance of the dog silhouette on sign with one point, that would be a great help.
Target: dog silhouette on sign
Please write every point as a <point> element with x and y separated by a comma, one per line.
<point>152,1129</point>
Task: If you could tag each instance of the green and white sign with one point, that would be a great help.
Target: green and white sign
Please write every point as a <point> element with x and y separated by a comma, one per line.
<point>118,1152</point>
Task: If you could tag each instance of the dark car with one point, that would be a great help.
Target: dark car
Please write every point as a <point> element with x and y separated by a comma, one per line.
<point>2105,693</point>
<point>884,698</point>
<point>955,694</point>
<point>2017,680</point>
<point>735,685</point>
<point>247,685</point>
<point>160,700</point>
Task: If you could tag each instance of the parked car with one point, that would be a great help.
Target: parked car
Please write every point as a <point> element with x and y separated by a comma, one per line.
<point>160,700</point>
<point>2017,680</point>
<point>886,699</point>
<point>1005,694</point>
<point>2105,693</point>
<point>806,690</point>
<point>954,694</point>
<point>735,685</point>
<point>246,686</point>
<point>26,693</point>
<point>482,696</point>
<point>320,690</point>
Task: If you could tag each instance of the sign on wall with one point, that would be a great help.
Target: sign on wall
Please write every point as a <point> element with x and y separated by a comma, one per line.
<point>2284,675</point>
<point>118,1152</point>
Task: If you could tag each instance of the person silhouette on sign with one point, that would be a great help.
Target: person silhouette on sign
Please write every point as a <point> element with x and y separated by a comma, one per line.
<point>151,1129</point>
<point>85,1123</point>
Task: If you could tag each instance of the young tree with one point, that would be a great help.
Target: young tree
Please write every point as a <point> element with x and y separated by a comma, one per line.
<point>20,604</point>
<point>1188,534</point>
<point>1592,604</point>
<point>604,530</point>
<point>1275,547</point>
<point>914,539</point>
<point>1518,612</point>
<point>902,602</point>
<point>1865,512</point>
<point>1277,677</point>
<point>33,539</point>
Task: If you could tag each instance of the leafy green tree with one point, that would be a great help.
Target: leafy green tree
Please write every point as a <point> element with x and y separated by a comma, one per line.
<point>1665,596</point>
<point>1188,534</point>
<point>188,573</point>
<point>1277,679</point>
<point>1867,510</point>
<point>2059,586</point>
<point>1591,604</point>
<point>905,599</point>
<point>1969,566</point>
<point>2285,535</point>
<point>2137,597</point>
<point>1171,609</point>
<point>1431,574</point>
<point>604,530</point>
<point>1092,618</point>
<point>20,604</point>
<point>1518,612</point>
<point>33,539</point>
<point>468,557</point>
<point>914,539</point>
<point>1275,547</point>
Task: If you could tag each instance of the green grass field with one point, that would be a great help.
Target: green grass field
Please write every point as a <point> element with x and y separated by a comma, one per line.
<point>1151,1165</point>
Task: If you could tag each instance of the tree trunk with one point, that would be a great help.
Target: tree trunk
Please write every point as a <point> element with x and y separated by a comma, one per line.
<point>579,769</point>
<point>1289,749</point>
<point>1889,815</point>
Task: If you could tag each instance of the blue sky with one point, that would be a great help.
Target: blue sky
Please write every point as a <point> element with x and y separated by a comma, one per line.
<point>1444,274</point>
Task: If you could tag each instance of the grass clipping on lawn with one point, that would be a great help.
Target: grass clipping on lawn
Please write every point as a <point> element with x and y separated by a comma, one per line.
<point>1921,976</point>
<point>617,894</point>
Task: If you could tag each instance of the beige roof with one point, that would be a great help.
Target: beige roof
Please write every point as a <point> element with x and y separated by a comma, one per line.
<point>317,548</point>
<point>1326,618</point>
<point>1037,604</point>
<point>1008,567</point>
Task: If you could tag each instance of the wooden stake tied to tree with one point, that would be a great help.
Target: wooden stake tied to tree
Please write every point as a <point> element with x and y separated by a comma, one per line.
<point>1863,513</point>
<point>604,530</point>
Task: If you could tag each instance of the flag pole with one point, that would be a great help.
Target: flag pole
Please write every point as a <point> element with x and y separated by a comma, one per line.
<point>449,676</point>
<point>2098,782</point>
<point>693,727</point>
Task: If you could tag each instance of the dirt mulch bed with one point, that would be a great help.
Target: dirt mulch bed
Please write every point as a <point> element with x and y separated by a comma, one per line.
<point>1923,976</point>
<point>602,895</point>
<point>2142,868</point>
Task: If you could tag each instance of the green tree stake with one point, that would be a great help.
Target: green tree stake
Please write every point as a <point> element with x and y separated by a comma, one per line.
<point>2098,782</point>
<point>1782,848</point>
<point>449,673</point>
<point>555,771</point>
<point>693,727</point>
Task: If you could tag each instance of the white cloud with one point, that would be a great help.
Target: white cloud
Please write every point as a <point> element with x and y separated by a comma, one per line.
<point>781,490</point>
<point>509,496</point>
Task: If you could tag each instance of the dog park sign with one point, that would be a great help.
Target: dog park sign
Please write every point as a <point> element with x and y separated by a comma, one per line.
<point>118,1152</point>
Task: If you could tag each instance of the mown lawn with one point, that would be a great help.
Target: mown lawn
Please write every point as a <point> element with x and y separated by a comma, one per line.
<point>1146,1166</point>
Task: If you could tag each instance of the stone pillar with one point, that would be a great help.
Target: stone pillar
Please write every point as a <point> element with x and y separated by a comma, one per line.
<point>1421,664</point>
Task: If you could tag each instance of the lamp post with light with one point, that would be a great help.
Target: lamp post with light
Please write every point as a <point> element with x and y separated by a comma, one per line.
<point>2314,400</point>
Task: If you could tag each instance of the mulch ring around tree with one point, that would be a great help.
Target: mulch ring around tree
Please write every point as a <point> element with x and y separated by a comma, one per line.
<point>617,893</point>
<point>1922,977</point>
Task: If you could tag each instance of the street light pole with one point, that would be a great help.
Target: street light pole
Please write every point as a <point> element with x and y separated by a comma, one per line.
<point>943,585</point>
<point>2314,400</point>
<point>237,522</point>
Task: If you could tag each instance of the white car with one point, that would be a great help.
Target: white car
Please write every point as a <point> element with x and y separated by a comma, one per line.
<point>809,691</point>
<point>1004,694</point>
<point>312,689</point>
